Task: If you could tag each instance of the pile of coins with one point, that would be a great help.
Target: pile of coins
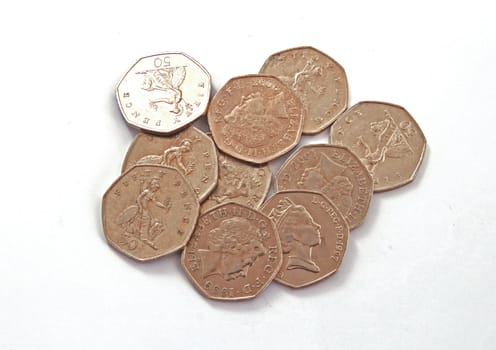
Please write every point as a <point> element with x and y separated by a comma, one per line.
<point>205,193</point>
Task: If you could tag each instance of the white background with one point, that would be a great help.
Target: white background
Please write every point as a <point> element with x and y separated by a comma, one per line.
<point>419,274</point>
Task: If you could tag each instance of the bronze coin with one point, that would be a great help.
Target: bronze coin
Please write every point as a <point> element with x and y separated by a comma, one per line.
<point>255,118</point>
<point>239,182</point>
<point>149,211</point>
<point>191,152</point>
<point>333,171</point>
<point>233,254</point>
<point>318,80</point>
<point>163,93</point>
<point>387,140</point>
<point>313,236</point>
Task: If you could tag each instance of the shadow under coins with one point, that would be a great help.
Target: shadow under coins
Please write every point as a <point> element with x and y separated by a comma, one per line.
<point>98,221</point>
<point>169,265</point>
<point>276,291</point>
<point>334,281</point>
<point>115,111</point>
<point>269,296</point>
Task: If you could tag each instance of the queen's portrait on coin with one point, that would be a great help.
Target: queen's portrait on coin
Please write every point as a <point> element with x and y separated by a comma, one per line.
<point>299,233</point>
<point>233,247</point>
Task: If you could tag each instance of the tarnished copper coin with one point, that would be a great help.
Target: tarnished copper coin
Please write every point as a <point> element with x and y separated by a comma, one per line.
<point>191,152</point>
<point>255,118</point>
<point>313,236</point>
<point>149,211</point>
<point>239,182</point>
<point>333,171</point>
<point>387,140</point>
<point>233,254</point>
<point>318,80</point>
<point>163,93</point>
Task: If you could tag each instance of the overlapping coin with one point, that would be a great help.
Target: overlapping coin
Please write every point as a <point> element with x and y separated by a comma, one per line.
<point>318,81</point>
<point>190,151</point>
<point>163,93</point>
<point>387,140</point>
<point>149,211</point>
<point>239,182</point>
<point>255,118</point>
<point>233,254</point>
<point>333,171</point>
<point>313,234</point>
